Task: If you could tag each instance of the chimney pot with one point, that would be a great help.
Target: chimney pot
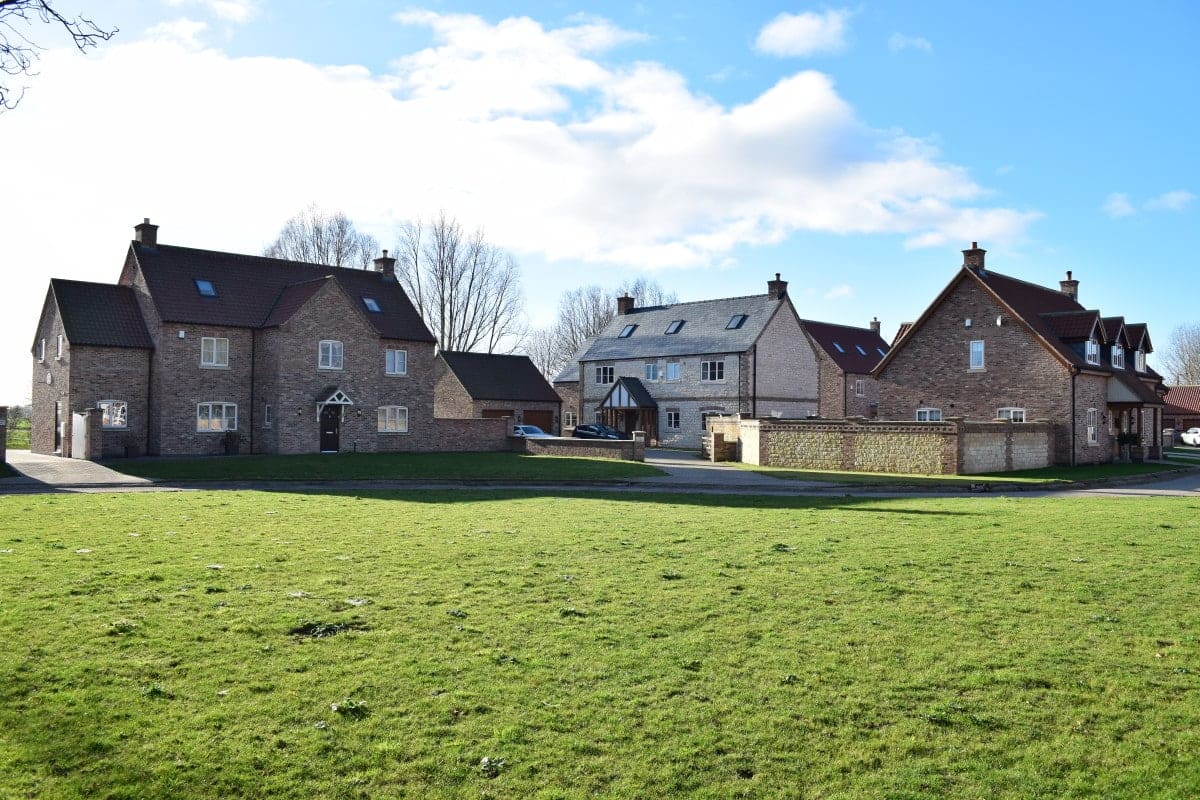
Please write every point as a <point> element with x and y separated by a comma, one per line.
<point>875,325</point>
<point>145,233</point>
<point>1069,287</point>
<point>973,259</point>
<point>624,304</point>
<point>387,265</point>
<point>777,288</point>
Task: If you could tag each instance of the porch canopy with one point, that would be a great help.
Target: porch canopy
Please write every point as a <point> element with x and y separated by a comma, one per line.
<point>332,396</point>
<point>628,407</point>
<point>1127,398</point>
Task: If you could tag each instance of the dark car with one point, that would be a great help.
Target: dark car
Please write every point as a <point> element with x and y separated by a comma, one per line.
<point>596,431</point>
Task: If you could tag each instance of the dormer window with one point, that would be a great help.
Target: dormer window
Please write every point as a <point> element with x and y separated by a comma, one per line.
<point>627,331</point>
<point>1092,352</point>
<point>1139,360</point>
<point>371,305</point>
<point>736,321</point>
<point>675,327</point>
<point>205,288</point>
<point>839,347</point>
<point>1118,357</point>
<point>860,349</point>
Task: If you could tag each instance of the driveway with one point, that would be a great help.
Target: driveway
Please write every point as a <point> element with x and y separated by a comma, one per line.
<point>685,468</point>
<point>38,473</point>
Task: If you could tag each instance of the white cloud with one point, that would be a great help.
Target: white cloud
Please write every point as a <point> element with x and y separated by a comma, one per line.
<point>508,125</point>
<point>804,34</point>
<point>234,11</point>
<point>1177,200</point>
<point>183,31</point>
<point>841,292</point>
<point>1117,205</point>
<point>899,41</point>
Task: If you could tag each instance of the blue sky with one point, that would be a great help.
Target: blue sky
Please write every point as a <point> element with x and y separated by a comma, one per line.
<point>854,148</point>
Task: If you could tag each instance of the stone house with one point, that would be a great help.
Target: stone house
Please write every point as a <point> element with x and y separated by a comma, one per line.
<point>995,347</point>
<point>495,386</point>
<point>846,355</point>
<point>197,351</point>
<point>664,369</point>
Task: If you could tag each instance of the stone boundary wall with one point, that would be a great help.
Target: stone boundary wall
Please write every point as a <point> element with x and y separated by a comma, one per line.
<point>950,447</point>
<point>620,449</point>
<point>467,436</point>
<point>3,433</point>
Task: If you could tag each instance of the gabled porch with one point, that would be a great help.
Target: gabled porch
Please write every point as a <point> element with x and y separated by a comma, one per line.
<point>628,407</point>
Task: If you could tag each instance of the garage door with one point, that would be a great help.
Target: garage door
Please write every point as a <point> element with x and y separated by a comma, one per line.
<point>497,413</point>
<point>543,419</point>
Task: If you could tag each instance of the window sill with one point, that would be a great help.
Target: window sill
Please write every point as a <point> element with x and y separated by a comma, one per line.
<point>396,374</point>
<point>114,428</point>
<point>976,369</point>
<point>227,430</point>
<point>392,433</point>
<point>214,366</point>
<point>330,369</point>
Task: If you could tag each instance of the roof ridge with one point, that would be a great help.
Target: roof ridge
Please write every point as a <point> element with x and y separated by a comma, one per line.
<point>1027,283</point>
<point>1095,311</point>
<point>248,257</point>
<point>663,306</point>
<point>840,325</point>
<point>91,283</point>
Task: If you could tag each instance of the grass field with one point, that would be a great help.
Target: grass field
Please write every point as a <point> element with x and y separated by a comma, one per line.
<point>386,466</point>
<point>1032,477</point>
<point>194,645</point>
<point>17,435</point>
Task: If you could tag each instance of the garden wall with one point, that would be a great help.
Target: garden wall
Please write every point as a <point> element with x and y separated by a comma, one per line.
<point>950,447</point>
<point>622,449</point>
<point>3,433</point>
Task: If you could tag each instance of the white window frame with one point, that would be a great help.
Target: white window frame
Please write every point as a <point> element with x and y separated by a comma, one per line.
<point>569,419</point>
<point>651,371</point>
<point>927,414</point>
<point>982,355</point>
<point>392,419</point>
<point>326,350</point>
<point>860,387</point>
<point>42,351</point>
<point>214,345</point>
<point>605,374</point>
<point>672,412</point>
<point>268,417</point>
<point>1117,354</point>
<point>712,371</point>
<point>390,361</point>
<point>675,366</point>
<point>1091,351</point>
<point>211,406</point>
<point>1093,427</point>
<point>1139,360</point>
<point>1011,413</point>
<point>108,407</point>
<point>61,339</point>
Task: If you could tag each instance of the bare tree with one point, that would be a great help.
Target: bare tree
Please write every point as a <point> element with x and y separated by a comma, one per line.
<point>542,348</point>
<point>318,237</point>
<point>18,51</point>
<point>467,290</point>
<point>646,292</point>
<point>1181,358</point>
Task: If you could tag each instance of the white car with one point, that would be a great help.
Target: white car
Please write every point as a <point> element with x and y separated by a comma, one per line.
<point>1191,436</point>
<point>530,432</point>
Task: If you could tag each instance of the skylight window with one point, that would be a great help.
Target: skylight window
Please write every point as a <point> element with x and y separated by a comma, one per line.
<point>627,331</point>
<point>860,350</point>
<point>371,305</point>
<point>839,347</point>
<point>205,288</point>
<point>675,326</point>
<point>880,351</point>
<point>736,321</point>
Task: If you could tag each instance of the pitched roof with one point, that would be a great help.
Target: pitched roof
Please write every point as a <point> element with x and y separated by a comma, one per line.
<point>1140,390</point>
<point>248,289</point>
<point>842,343</point>
<point>704,329</point>
<point>1137,331</point>
<point>635,389</point>
<point>1073,326</point>
<point>1114,329</point>
<point>291,299</point>
<point>904,328</point>
<point>487,376</point>
<point>570,372</point>
<point>101,314</point>
<point>1184,398</point>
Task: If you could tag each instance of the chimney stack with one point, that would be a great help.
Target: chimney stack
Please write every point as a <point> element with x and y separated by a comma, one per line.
<point>875,324</point>
<point>387,266</point>
<point>146,234</point>
<point>624,304</point>
<point>1069,287</point>
<point>777,288</point>
<point>973,258</point>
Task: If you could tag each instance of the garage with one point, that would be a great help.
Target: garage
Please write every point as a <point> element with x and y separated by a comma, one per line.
<point>543,419</point>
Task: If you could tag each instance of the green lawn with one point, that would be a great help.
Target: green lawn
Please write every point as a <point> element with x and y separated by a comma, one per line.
<point>385,466</point>
<point>193,645</point>
<point>1033,477</point>
<point>17,436</point>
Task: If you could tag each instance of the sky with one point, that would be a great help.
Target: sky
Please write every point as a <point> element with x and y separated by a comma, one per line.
<point>856,149</point>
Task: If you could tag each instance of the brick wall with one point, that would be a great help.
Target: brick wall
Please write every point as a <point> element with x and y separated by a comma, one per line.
<point>832,395</point>
<point>868,404</point>
<point>624,449</point>
<point>51,381</point>
<point>113,373</point>
<point>569,392</point>
<point>931,371</point>
<point>466,435</point>
<point>788,382</point>
<point>450,398</point>
<point>3,433</point>
<point>943,448</point>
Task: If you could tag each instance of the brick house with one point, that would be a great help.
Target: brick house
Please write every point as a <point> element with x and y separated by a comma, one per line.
<point>566,386</point>
<point>1182,408</point>
<point>664,369</point>
<point>994,347</point>
<point>194,348</point>
<point>845,357</point>
<point>495,386</point>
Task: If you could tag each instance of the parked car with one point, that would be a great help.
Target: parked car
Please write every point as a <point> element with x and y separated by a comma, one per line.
<point>1191,436</point>
<point>530,432</point>
<point>596,431</point>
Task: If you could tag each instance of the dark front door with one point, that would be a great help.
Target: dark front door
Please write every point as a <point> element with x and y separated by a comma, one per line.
<point>331,426</point>
<point>58,429</point>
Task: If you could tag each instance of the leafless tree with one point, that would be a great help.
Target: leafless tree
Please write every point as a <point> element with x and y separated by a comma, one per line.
<point>18,51</point>
<point>318,237</point>
<point>467,290</point>
<point>1181,358</point>
<point>646,292</point>
<point>542,348</point>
